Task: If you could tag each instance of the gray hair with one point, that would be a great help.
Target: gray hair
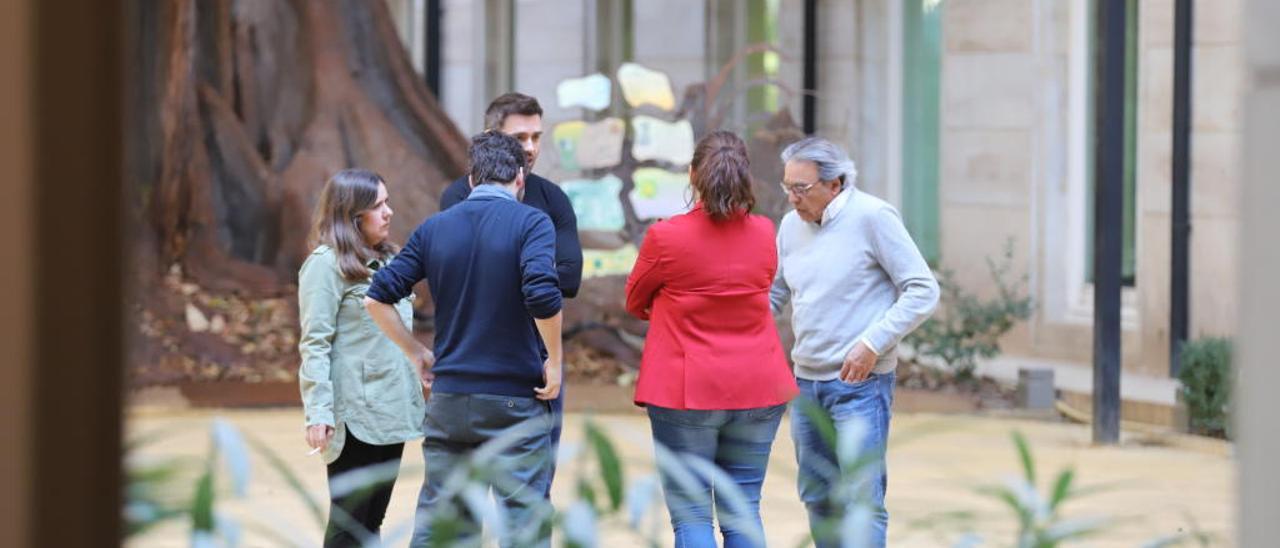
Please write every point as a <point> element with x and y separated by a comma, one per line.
<point>832,161</point>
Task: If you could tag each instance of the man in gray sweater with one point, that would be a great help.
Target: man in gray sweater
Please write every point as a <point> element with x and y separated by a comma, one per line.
<point>857,285</point>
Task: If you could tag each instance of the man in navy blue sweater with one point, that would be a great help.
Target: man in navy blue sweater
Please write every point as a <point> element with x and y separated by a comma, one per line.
<point>490,265</point>
<point>520,116</point>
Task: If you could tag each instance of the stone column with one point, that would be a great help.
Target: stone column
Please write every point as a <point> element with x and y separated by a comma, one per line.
<point>1259,377</point>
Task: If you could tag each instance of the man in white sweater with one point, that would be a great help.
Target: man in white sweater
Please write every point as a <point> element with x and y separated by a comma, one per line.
<point>857,285</point>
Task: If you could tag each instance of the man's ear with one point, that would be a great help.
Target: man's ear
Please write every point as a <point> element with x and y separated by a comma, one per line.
<point>519,178</point>
<point>471,182</point>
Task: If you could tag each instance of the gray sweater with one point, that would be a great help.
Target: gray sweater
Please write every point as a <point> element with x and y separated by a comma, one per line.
<point>856,276</point>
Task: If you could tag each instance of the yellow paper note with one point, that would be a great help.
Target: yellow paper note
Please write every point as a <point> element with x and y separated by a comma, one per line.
<point>608,262</point>
<point>642,86</point>
<point>659,193</point>
<point>567,136</point>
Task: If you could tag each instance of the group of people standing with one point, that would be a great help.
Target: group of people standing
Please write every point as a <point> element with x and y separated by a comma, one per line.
<point>499,260</point>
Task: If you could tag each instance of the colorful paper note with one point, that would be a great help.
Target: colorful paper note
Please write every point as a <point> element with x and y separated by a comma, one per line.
<point>656,139</point>
<point>601,144</point>
<point>566,136</point>
<point>642,86</point>
<point>659,193</point>
<point>608,262</point>
<point>590,92</point>
<point>596,202</point>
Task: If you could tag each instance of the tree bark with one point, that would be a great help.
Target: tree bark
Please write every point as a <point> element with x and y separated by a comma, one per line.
<point>240,111</point>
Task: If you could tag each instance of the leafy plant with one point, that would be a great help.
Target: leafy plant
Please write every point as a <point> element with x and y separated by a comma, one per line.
<point>166,490</point>
<point>968,327</point>
<point>1206,384</point>
<point>188,489</point>
<point>1041,523</point>
<point>153,495</point>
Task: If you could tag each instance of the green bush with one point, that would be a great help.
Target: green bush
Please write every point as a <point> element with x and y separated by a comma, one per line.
<point>1206,384</point>
<point>968,327</point>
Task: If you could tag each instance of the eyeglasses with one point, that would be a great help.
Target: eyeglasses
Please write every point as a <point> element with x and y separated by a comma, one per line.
<point>797,190</point>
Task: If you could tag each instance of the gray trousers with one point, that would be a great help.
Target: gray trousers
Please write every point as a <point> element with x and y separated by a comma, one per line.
<point>517,467</point>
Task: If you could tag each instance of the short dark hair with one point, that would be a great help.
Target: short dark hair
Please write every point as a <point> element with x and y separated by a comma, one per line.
<point>495,158</point>
<point>722,176</point>
<point>508,104</point>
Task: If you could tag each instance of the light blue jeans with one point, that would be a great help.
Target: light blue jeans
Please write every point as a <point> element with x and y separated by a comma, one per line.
<point>738,442</point>
<point>861,408</point>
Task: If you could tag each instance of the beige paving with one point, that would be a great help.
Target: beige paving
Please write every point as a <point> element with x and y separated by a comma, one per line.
<point>935,463</point>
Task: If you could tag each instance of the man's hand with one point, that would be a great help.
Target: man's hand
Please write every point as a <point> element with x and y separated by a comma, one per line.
<point>388,320</point>
<point>551,375</point>
<point>318,436</point>
<point>858,363</point>
<point>423,360</point>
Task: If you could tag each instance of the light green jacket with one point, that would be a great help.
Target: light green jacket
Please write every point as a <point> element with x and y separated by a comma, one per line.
<point>352,376</point>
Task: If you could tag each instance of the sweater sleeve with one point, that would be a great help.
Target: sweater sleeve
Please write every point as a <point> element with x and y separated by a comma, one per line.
<point>538,280</point>
<point>779,292</point>
<point>568,248</point>
<point>395,281</point>
<point>457,191</point>
<point>917,289</point>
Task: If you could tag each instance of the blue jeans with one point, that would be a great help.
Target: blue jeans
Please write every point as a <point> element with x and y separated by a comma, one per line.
<point>738,442</point>
<point>861,408</point>
<point>458,424</point>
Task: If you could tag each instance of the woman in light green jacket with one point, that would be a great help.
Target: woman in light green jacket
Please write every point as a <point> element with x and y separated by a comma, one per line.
<point>363,399</point>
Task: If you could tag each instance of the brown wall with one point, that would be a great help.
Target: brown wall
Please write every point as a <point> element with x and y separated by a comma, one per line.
<point>15,269</point>
<point>60,250</point>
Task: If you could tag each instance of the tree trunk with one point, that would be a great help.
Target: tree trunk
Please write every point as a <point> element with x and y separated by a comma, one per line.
<point>241,110</point>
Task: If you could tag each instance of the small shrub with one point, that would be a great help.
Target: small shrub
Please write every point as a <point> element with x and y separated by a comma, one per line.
<point>967,327</point>
<point>1039,512</point>
<point>1206,384</point>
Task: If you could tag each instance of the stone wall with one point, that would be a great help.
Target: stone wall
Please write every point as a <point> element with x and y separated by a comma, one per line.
<point>1013,165</point>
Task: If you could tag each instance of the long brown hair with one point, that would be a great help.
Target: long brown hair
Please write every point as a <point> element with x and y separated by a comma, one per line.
<point>721,176</point>
<point>336,222</point>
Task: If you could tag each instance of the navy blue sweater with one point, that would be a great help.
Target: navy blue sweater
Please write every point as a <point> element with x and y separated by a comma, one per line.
<point>547,197</point>
<point>490,265</point>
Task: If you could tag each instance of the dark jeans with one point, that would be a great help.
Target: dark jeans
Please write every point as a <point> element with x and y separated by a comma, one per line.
<point>860,413</point>
<point>456,427</point>
<point>356,516</point>
<point>738,442</point>
<point>557,427</point>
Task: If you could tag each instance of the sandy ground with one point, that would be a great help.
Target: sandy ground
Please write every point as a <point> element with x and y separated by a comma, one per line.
<point>1153,486</point>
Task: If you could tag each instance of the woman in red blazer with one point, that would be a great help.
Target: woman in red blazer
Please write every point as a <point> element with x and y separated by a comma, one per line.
<point>713,377</point>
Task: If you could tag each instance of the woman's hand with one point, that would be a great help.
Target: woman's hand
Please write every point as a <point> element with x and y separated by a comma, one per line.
<point>318,436</point>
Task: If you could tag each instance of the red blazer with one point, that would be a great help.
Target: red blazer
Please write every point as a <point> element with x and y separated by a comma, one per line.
<point>704,287</point>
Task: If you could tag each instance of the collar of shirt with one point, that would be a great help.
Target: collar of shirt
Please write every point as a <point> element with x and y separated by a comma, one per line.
<point>490,191</point>
<point>837,205</point>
